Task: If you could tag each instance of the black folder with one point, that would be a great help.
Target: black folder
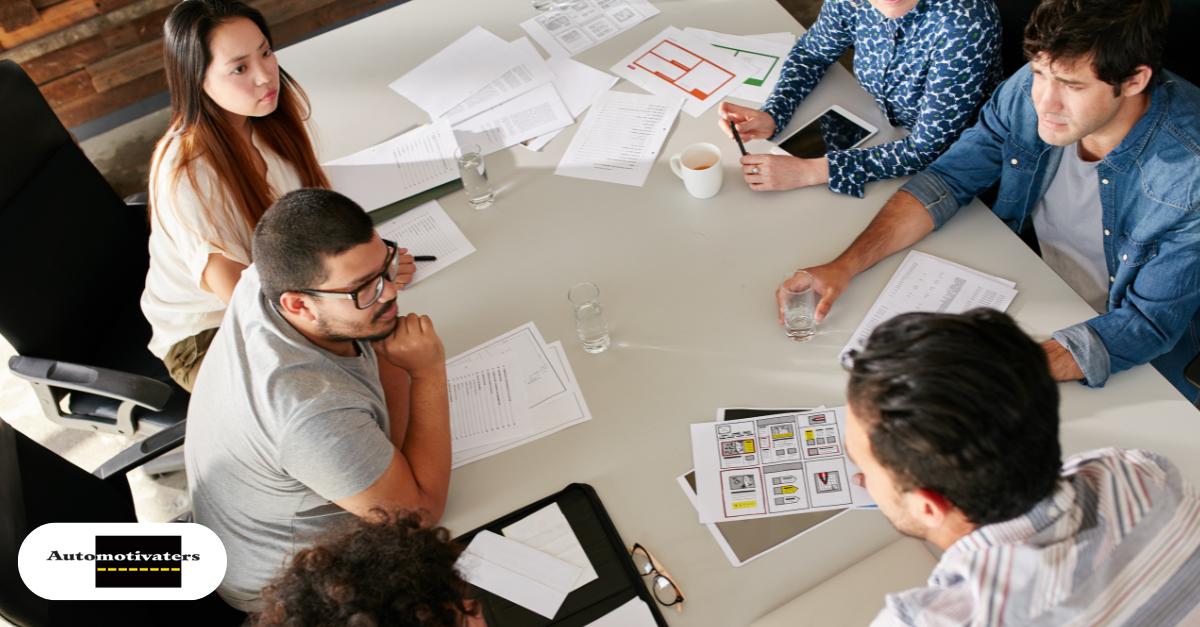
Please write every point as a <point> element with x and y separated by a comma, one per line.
<point>617,581</point>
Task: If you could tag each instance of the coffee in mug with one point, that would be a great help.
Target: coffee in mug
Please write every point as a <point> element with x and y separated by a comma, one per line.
<point>695,166</point>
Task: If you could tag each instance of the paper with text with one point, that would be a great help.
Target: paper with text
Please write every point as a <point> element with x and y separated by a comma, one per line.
<point>529,73</point>
<point>427,230</point>
<point>578,85</point>
<point>407,164</point>
<point>487,402</point>
<point>524,117</point>
<point>525,576</point>
<point>464,67</point>
<point>560,411</point>
<point>547,530</point>
<point>675,64</point>
<point>927,283</point>
<point>635,613</point>
<point>620,139</point>
<point>569,30</point>
<point>774,466</point>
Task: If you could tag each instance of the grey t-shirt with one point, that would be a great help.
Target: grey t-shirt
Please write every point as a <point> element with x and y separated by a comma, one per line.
<point>278,429</point>
<point>1070,230</point>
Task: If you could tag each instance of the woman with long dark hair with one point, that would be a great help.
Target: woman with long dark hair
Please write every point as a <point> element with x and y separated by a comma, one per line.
<point>237,140</point>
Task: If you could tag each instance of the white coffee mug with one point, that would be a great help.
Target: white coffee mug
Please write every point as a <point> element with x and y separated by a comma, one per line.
<point>699,165</point>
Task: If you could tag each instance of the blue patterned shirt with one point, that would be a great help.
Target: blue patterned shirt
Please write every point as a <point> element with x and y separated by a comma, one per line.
<point>929,71</point>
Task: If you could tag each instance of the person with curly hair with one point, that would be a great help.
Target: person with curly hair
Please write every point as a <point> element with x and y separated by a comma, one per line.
<point>387,569</point>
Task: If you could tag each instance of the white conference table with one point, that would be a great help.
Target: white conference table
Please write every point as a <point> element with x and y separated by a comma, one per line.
<point>688,289</point>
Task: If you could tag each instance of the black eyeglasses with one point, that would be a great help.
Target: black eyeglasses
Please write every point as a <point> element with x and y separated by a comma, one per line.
<point>665,589</point>
<point>369,292</point>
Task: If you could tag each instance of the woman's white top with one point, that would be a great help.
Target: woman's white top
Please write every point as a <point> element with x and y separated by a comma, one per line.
<point>188,223</point>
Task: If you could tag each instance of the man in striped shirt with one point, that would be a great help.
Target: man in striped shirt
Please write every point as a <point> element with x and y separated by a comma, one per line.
<point>953,420</point>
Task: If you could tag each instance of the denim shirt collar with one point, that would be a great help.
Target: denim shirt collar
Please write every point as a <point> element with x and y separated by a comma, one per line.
<point>1127,153</point>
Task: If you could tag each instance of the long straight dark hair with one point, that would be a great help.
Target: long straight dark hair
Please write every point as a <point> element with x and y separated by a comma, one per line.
<point>202,128</point>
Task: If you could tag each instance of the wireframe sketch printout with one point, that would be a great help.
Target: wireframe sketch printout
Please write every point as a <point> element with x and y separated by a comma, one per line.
<point>620,138</point>
<point>774,466</point>
<point>569,30</point>
<point>407,164</point>
<point>427,230</point>
<point>673,62</point>
<point>487,402</point>
<point>927,283</point>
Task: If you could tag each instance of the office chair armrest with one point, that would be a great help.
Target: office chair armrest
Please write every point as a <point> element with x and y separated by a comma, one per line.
<point>1192,372</point>
<point>124,386</point>
<point>142,452</point>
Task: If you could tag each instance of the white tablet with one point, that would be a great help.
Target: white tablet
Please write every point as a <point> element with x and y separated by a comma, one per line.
<point>809,142</point>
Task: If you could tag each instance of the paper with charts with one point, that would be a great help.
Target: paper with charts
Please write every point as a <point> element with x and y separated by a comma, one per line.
<point>673,62</point>
<point>774,466</point>
<point>765,53</point>
<point>490,415</point>
<point>571,29</point>
<point>427,230</point>
<point>402,166</point>
<point>924,282</point>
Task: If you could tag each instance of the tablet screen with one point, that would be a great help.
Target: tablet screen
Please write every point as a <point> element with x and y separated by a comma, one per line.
<point>831,131</point>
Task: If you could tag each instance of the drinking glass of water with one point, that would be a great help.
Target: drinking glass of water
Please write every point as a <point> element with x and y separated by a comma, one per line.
<point>550,5</point>
<point>799,304</point>
<point>589,317</point>
<point>474,176</point>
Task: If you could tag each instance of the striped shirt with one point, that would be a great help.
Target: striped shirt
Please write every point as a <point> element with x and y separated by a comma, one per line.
<point>1118,543</point>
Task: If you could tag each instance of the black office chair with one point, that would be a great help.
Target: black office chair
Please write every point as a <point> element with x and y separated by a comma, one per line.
<point>1179,54</point>
<point>73,260</point>
<point>26,471</point>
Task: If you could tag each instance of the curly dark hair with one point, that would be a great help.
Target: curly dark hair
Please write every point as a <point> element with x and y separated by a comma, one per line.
<point>387,569</point>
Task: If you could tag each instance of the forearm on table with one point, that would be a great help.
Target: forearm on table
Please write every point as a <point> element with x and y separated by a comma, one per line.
<point>902,222</point>
<point>427,442</point>
<point>397,393</point>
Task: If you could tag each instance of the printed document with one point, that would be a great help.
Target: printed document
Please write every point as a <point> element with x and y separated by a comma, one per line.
<point>524,117</point>
<point>528,577</point>
<point>774,466</point>
<point>620,138</point>
<point>527,74</point>
<point>578,85</point>
<point>487,402</point>
<point>764,53</point>
<point>449,77</point>
<point>927,283</point>
<point>569,30</point>
<point>559,411</point>
<point>400,167</point>
<point>673,63</point>
<point>427,230</point>
<point>547,530</point>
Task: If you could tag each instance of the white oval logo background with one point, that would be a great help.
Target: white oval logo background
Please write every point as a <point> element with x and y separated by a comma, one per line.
<point>75,580</point>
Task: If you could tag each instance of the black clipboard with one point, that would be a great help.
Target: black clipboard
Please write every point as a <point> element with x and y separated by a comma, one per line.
<point>385,213</point>
<point>617,581</point>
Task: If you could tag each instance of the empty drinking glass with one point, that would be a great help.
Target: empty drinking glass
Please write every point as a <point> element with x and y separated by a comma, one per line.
<point>474,176</point>
<point>799,303</point>
<point>550,5</point>
<point>589,317</point>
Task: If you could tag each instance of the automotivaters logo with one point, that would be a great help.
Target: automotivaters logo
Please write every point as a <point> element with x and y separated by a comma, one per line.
<point>122,561</point>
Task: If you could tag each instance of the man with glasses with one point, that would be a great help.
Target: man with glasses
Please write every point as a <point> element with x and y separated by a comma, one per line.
<point>953,420</point>
<point>317,401</point>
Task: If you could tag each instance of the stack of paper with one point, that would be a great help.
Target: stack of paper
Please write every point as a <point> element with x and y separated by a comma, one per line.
<point>508,391</point>
<point>427,230</point>
<point>578,85</point>
<point>620,138</point>
<point>571,29</point>
<point>397,168</point>
<point>765,53</point>
<point>927,283</point>
<point>547,530</point>
<point>673,63</point>
<point>523,575</point>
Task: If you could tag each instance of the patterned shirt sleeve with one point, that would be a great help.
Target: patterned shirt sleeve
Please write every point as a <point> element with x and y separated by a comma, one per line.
<point>818,48</point>
<point>962,73</point>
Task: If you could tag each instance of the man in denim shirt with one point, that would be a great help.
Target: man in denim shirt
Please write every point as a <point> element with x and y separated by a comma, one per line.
<point>1095,92</point>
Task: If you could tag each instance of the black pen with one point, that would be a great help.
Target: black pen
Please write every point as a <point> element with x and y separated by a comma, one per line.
<point>425,258</point>
<point>737,138</point>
